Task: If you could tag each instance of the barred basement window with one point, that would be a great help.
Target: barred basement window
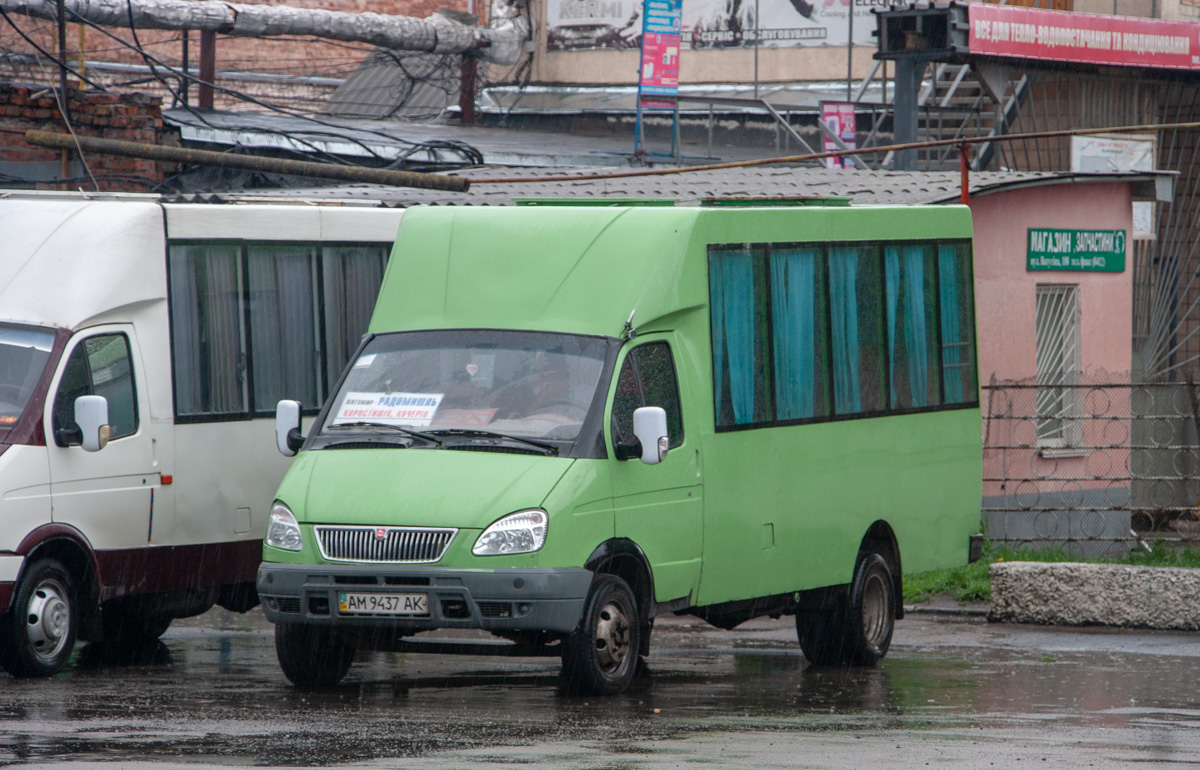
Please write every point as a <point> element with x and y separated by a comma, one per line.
<point>1059,402</point>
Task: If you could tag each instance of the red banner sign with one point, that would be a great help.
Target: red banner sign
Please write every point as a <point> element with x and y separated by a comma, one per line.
<point>1030,33</point>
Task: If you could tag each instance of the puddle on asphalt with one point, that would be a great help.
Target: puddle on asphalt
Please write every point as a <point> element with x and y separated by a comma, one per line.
<point>219,697</point>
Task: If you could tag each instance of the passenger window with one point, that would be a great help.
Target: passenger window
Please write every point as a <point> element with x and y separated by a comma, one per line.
<point>647,378</point>
<point>99,366</point>
<point>856,299</point>
<point>914,368</point>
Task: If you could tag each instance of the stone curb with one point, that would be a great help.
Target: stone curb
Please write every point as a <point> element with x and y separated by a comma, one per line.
<point>977,611</point>
<point>1071,594</point>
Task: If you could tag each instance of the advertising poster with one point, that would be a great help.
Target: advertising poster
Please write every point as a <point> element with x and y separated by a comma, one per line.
<point>713,24</point>
<point>838,117</point>
<point>1082,37</point>
<point>659,83</point>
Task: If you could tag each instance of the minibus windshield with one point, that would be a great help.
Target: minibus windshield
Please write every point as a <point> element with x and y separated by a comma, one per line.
<point>24,352</point>
<point>471,385</point>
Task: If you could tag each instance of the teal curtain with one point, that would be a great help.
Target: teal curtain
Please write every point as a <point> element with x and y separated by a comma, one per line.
<point>843,311</point>
<point>793,279</point>
<point>891,278</point>
<point>915,333</point>
<point>904,270</point>
<point>731,288</point>
<point>954,349</point>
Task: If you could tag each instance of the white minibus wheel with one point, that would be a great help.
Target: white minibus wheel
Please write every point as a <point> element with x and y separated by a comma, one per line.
<point>39,635</point>
<point>130,626</point>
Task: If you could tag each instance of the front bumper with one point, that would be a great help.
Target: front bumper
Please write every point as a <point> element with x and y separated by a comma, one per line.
<point>494,600</point>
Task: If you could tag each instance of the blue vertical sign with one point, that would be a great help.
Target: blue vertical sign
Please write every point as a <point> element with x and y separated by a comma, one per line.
<point>658,76</point>
<point>658,82</point>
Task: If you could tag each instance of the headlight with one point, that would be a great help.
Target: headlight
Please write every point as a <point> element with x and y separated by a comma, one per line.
<point>520,532</point>
<point>282,529</point>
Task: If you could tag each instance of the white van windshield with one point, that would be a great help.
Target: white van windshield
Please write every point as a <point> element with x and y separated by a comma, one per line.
<point>525,384</point>
<point>23,356</point>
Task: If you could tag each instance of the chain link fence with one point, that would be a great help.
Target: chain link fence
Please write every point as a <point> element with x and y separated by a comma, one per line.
<point>1094,469</point>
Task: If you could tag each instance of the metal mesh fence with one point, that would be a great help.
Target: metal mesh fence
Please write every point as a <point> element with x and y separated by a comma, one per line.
<point>1114,467</point>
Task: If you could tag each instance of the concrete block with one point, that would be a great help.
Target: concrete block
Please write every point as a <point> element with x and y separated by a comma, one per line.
<point>1072,594</point>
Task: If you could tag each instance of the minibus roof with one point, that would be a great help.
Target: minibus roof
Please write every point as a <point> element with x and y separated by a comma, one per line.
<point>584,268</point>
<point>70,262</point>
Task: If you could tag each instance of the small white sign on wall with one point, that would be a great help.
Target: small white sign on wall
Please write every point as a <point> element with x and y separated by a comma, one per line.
<point>1100,154</point>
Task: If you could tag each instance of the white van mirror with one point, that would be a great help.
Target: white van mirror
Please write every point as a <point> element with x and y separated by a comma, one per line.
<point>91,415</point>
<point>650,427</point>
<point>287,427</point>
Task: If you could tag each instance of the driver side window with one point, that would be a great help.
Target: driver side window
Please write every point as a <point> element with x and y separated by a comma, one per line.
<point>99,366</point>
<point>647,378</point>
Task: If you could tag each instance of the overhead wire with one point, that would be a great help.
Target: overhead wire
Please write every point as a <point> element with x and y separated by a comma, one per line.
<point>47,54</point>
<point>470,155</point>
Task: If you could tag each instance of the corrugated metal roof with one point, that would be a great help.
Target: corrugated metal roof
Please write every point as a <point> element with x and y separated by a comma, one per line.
<point>389,84</point>
<point>862,187</point>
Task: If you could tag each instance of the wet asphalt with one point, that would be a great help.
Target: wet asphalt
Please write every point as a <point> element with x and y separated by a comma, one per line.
<point>955,691</point>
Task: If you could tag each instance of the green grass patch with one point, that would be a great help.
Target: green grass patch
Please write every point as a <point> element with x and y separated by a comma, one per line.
<point>971,583</point>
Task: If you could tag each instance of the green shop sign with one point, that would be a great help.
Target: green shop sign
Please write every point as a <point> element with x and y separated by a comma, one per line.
<point>1098,250</point>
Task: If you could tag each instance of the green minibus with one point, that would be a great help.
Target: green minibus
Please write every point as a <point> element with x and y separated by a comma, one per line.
<point>570,417</point>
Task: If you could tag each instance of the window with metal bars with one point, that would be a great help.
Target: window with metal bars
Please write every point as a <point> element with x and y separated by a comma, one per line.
<point>1058,366</point>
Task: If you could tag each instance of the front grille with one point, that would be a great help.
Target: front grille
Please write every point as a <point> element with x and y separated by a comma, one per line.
<point>495,609</point>
<point>393,545</point>
<point>288,603</point>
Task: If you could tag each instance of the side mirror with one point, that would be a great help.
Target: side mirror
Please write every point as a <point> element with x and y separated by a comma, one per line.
<point>650,427</point>
<point>287,428</point>
<point>91,415</point>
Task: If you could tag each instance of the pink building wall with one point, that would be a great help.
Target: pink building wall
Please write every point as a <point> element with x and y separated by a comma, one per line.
<point>1006,291</point>
<point>1032,491</point>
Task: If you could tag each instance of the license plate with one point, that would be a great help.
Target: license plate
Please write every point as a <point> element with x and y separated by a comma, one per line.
<point>383,604</point>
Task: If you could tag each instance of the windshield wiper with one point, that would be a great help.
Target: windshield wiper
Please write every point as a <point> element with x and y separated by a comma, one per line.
<point>406,431</point>
<point>549,449</point>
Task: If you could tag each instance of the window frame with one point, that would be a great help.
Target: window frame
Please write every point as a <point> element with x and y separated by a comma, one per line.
<point>971,401</point>
<point>614,433</point>
<point>325,382</point>
<point>80,345</point>
<point>1068,434</point>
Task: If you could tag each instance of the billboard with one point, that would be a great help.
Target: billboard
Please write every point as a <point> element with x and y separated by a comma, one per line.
<point>1029,33</point>
<point>658,85</point>
<point>712,24</point>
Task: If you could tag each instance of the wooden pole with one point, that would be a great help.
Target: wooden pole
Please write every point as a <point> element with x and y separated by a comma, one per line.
<point>208,67</point>
<point>466,93</point>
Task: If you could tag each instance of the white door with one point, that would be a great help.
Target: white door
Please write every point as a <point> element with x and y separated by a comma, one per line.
<point>107,495</point>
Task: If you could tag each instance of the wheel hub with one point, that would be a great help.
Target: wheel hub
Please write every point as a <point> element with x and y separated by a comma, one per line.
<point>875,610</point>
<point>612,637</point>
<point>48,619</point>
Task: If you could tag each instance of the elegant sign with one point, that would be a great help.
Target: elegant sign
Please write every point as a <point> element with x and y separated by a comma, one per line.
<point>588,24</point>
<point>1032,33</point>
<point>1093,250</point>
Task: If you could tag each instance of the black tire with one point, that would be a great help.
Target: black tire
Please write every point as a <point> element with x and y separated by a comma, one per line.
<point>129,626</point>
<point>601,657</point>
<point>311,656</point>
<point>858,629</point>
<point>39,634</point>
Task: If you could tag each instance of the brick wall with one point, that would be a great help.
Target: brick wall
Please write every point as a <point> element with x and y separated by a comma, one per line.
<point>131,117</point>
<point>281,56</point>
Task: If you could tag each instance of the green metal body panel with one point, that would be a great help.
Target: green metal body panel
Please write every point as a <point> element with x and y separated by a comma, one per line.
<point>726,516</point>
